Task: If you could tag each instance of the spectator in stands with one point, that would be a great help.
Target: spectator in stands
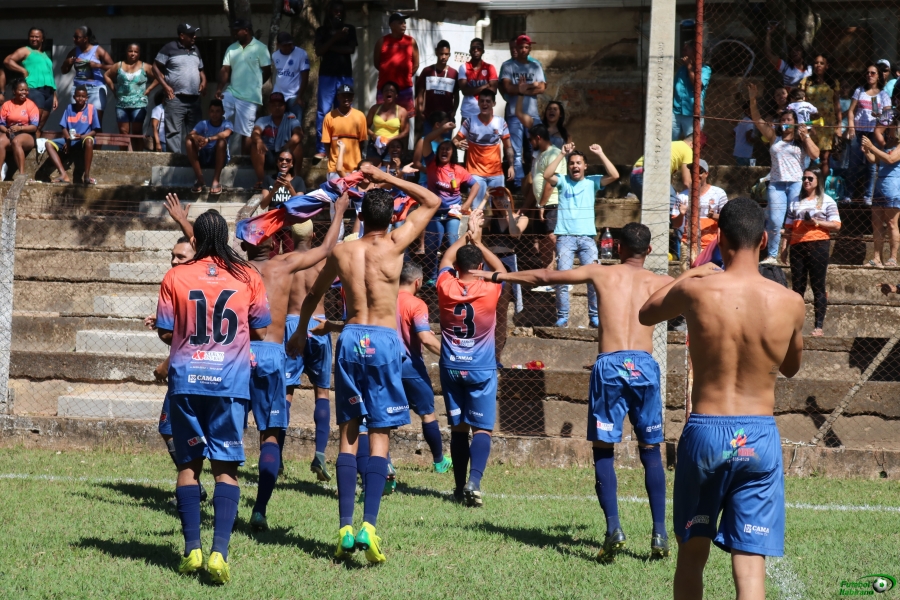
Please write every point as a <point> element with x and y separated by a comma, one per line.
<point>780,99</point>
<point>555,120</point>
<point>207,147</point>
<point>575,226</point>
<point>526,78</point>
<point>811,219</point>
<point>386,122</point>
<point>347,124</point>
<point>884,65</point>
<point>89,61</point>
<point>437,87</point>
<point>396,57</point>
<point>179,70</point>
<point>19,118</point>
<point>158,122</point>
<point>438,120</point>
<point>866,108</point>
<point>482,138</point>
<point>744,137</point>
<point>683,101</point>
<point>513,53</point>
<point>824,92</point>
<point>335,43</point>
<point>277,189</point>
<point>886,201</point>
<point>35,65</point>
<point>245,68</point>
<point>128,80</point>
<point>712,199</point>
<point>681,156</point>
<point>291,73</point>
<point>793,70</point>
<point>279,130</point>
<point>546,196</point>
<point>80,123</point>
<point>791,147</point>
<point>474,76</point>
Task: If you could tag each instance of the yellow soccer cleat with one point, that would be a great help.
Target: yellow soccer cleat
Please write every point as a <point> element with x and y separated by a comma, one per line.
<point>346,543</point>
<point>218,569</point>
<point>370,543</point>
<point>191,562</point>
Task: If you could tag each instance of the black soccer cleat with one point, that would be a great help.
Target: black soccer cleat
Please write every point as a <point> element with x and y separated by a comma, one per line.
<point>612,545</point>
<point>472,495</point>
<point>659,546</point>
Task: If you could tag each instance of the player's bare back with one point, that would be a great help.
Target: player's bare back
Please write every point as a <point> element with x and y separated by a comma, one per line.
<point>621,292</point>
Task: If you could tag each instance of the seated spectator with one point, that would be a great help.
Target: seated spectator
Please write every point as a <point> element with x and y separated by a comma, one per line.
<point>128,81</point>
<point>158,122</point>
<point>80,123</point>
<point>19,119</point>
<point>886,203</point>
<point>207,147</point>
<point>347,124</point>
<point>482,138</point>
<point>279,130</point>
<point>437,87</point>
<point>712,199</point>
<point>793,70</point>
<point>396,57</point>
<point>386,122</point>
<point>277,189</point>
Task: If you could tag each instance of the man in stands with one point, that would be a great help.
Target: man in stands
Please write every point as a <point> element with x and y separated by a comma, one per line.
<point>179,70</point>
<point>437,87</point>
<point>482,137</point>
<point>475,76</point>
<point>80,123</point>
<point>513,73</point>
<point>291,73</point>
<point>396,56</point>
<point>335,44</point>
<point>348,125</point>
<point>277,131</point>
<point>207,147</point>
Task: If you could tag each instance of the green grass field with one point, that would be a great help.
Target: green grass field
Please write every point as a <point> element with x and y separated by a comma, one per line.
<point>97,524</point>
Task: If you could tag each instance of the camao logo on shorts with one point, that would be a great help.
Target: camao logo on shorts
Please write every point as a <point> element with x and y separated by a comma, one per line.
<point>396,409</point>
<point>604,426</point>
<point>654,428</point>
<point>455,412</point>
<point>739,451</point>
<point>476,414</point>
<point>460,358</point>
<point>756,529</point>
<point>698,520</point>
<point>208,355</point>
<point>232,444</point>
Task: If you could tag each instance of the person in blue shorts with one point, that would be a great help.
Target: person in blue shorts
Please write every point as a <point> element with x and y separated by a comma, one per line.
<point>80,123</point>
<point>207,147</point>
<point>729,478</point>
<point>368,353</point>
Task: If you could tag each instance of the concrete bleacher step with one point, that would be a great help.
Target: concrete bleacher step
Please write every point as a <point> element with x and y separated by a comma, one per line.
<point>121,405</point>
<point>139,272</point>
<point>68,297</point>
<point>128,342</point>
<point>151,239</point>
<point>232,176</point>
<point>125,306</point>
<point>68,265</point>
<point>229,210</point>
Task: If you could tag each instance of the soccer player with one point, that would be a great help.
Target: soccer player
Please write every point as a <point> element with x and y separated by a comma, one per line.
<point>625,378</point>
<point>368,368</point>
<point>415,331</point>
<point>744,330</point>
<point>468,309</point>
<point>208,310</point>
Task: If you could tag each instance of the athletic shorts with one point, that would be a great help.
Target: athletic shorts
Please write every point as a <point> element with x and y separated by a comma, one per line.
<point>165,420</point>
<point>268,393</point>
<point>241,113</point>
<point>732,466</point>
<point>42,97</point>
<point>417,386</point>
<point>60,143</point>
<point>208,427</point>
<point>470,397</point>
<point>550,213</point>
<point>368,377</point>
<point>625,382</point>
<point>316,359</point>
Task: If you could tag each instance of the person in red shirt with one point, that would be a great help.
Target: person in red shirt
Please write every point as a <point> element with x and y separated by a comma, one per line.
<point>19,119</point>
<point>437,87</point>
<point>397,59</point>
<point>475,76</point>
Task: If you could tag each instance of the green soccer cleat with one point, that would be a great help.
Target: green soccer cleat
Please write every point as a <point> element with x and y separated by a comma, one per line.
<point>659,546</point>
<point>318,467</point>
<point>444,466</point>
<point>218,569</point>
<point>370,544</point>
<point>390,484</point>
<point>472,495</point>
<point>192,562</point>
<point>613,543</point>
<point>258,522</point>
<point>346,543</point>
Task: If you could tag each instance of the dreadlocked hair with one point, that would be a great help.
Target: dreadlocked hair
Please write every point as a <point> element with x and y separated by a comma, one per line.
<point>211,237</point>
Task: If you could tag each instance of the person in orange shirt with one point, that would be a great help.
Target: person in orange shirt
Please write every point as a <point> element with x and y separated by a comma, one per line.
<point>349,125</point>
<point>397,59</point>
<point>482,137</point>
<point>19,119</point>
<point>712,199</point>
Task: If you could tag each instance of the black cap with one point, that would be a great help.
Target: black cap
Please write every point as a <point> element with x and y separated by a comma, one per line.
<point>397,17</point>
<point>241,24</point>
<point>284,38</point>
<point>344,89</point>
<point>188,29</point>
<point>276,96</point>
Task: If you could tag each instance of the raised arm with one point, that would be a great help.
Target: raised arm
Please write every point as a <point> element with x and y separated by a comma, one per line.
<point>890,158</point>
<point>418,219</point>
<point>550,177</point>
<point>179,214</point>
<point>297,261</point>
<point>671,300</point>
<point>612,174</point>
<point>764,128</point>
<point>773,58</point>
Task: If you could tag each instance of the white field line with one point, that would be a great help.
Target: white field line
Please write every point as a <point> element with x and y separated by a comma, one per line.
<point>779,570</point>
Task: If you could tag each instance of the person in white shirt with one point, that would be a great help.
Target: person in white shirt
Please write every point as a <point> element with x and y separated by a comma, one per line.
<point>712,199</point>
<point>793,70</point>
<point>291,65</point>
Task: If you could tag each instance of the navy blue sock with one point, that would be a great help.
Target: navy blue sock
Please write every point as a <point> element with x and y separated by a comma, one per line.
<point>322,419</point>
<point>432,434</point>
<point>362,458</point>
<point>225,509</point>
<point>282,435</point>
<point>188,498</point>
<point>480,450</point>
<point>346,482</point>
<point>606,486</point>
<point>269,462</point>
<point>376,475</point>
<point>459,452</point>
<point>655,482</point>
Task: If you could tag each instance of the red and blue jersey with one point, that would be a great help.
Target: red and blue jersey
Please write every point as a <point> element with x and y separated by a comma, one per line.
<point>82,121</point>
<point>468,319</point>
<point>412,319</point>
<point>210,314</point>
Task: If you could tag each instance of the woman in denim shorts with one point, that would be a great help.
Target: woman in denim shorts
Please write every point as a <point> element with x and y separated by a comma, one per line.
<point>128,79</point>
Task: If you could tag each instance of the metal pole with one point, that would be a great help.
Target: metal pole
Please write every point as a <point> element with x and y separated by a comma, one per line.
<point>694,236</point>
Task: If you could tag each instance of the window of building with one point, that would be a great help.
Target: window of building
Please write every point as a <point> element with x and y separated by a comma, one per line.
<point>505,27</point>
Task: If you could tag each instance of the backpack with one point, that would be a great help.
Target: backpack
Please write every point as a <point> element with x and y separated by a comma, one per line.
<point>836,187</point>
<point>773,273</point>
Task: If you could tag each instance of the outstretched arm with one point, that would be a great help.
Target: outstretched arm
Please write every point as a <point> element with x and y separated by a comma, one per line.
<point>297,261</point>
<point>417,219</point>
<point>297,342</point>
<point>585,274</point>
<point>764,128</point>
<point>670,300</point>
<point>179,214</point>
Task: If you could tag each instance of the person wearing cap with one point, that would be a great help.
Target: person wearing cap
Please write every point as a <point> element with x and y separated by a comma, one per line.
<point>277,131</point>
<point>245,68</point>
<point>335,44</point>
<point>513,52</point>
<point>884,65</point>
<point>521,76</point>
<point>179,70</point>
<point>397,59</point>
<point>291,73</point>
<point>207,147</point>
<point>437,87</point>
<point>683,95</point>
<point>347,124</point>
<point>712,199</point>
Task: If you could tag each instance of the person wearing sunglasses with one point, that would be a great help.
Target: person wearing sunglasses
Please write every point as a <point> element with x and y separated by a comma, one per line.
<point>179,70</point>
<point>867,107</point>
<point>277,189</point>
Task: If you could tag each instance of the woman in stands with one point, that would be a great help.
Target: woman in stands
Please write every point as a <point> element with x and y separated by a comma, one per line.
<point>886,203</point>
<point>387,121</point>
<point>89,62</point>
<point>19,118</point>
<point>824,92</point>
<point>866,108</point>
<point>128,79</point>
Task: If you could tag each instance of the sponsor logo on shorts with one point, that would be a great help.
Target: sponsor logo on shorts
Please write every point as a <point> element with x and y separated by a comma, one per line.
<point>462,343</point>
<point>274,412</point>
<point>476,414</point>
<point>195,440</point>
<point>207,379</point>
<point>288,375</point>
<point>460,358</point>
<point>698,520</point>
<point>455,412</point>
<point>604,426</point>
<point>354,400</point>
<point>868,585</point>
<point>739,451</point>
<point>654,428</point>
<point>252,359</point>
<point>628,371</point>
<point>209,355</point>
<point>232,444</point>
<point>163,417</point>
<point>396,409</point>
<point>755,529</point>
<point>365,347</point>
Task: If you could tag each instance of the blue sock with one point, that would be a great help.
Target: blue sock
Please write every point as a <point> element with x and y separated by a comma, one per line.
<point>346,483</point>
<point>322,419</point>
<point>225,509</point>
<point>362,458</point>
<point>269,461</point>
<point>432,434</point>
<point>375,478</point>
<point>655,482</point>
<point>459,452</point>
<point>606,486</point>
<point>188,498</point>
<point>283,434</point>
<point>480,450</point>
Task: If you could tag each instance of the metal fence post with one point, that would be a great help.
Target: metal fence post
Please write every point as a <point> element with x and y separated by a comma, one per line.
<point>7,262</point>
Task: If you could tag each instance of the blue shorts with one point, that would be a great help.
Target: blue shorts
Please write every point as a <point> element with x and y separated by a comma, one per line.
<point>625,382</point>
<point>208,427</point>
<point>732,466</point>
<point>368,377</point>
<point>470,397</point>
<point>165,421</point>
<point>887,192</point>
<point>417,386</point>
<point>60,143</point>
<point>316,359</point>
<point>131,115</point>
<point>207,157</point>
<point>268,393</point>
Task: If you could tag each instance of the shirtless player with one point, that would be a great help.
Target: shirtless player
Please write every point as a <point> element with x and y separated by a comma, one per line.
<point>368,366</point>
<point>744,330</point>
<point>625,378</point>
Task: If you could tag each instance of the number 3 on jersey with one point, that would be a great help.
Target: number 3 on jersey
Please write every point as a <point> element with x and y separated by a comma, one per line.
<point>220,313</point>
<point>465,309</point>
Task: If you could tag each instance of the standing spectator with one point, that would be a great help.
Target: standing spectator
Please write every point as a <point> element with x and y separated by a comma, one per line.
<point>682,154</point>
<point>810,221</point>
<point>437,88</point>
<point>513,53</point>
<point>19,118</point>
<point>80,123</point>
<point>245,68</point>
<point>884,65</point>
<point>780,99</point>
<point>824,92</point>
<point>131,90</point>
<point>791,147</point>
<point>575,226</point>
<point>744,137</point>
<point>36,67</point>
<point>279,130</point>
<point>683,101</point>
<point>207,147</point>
<point>89,61</point>
<point>791,72</point>
<point>482,138</point>
<point>335,44</point>
<point>886,203</point>
<point>474,76</point>
<point>291,73</point>
<point>386,122</point>
<point>547,196</point>
<point>712,199</point>
<point>158,122</point>
<point>866,108</point>
<point>513,73</point>
<point>347,124</point>
<point>555,120</point>
<point>179,70</point>
<point>397,59</point>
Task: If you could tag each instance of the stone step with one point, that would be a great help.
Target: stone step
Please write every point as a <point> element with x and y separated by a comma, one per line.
<point>125,306</point>
<point>151,239</point>
<point>127,342</point>
<point>232,176</point>
<point>139,272</point>
<point>88,233</point>
<point>51,332</point>
<point>66,265</point>
<point>229,210</point>
<point>67,297</point>
<point>123,405</point>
